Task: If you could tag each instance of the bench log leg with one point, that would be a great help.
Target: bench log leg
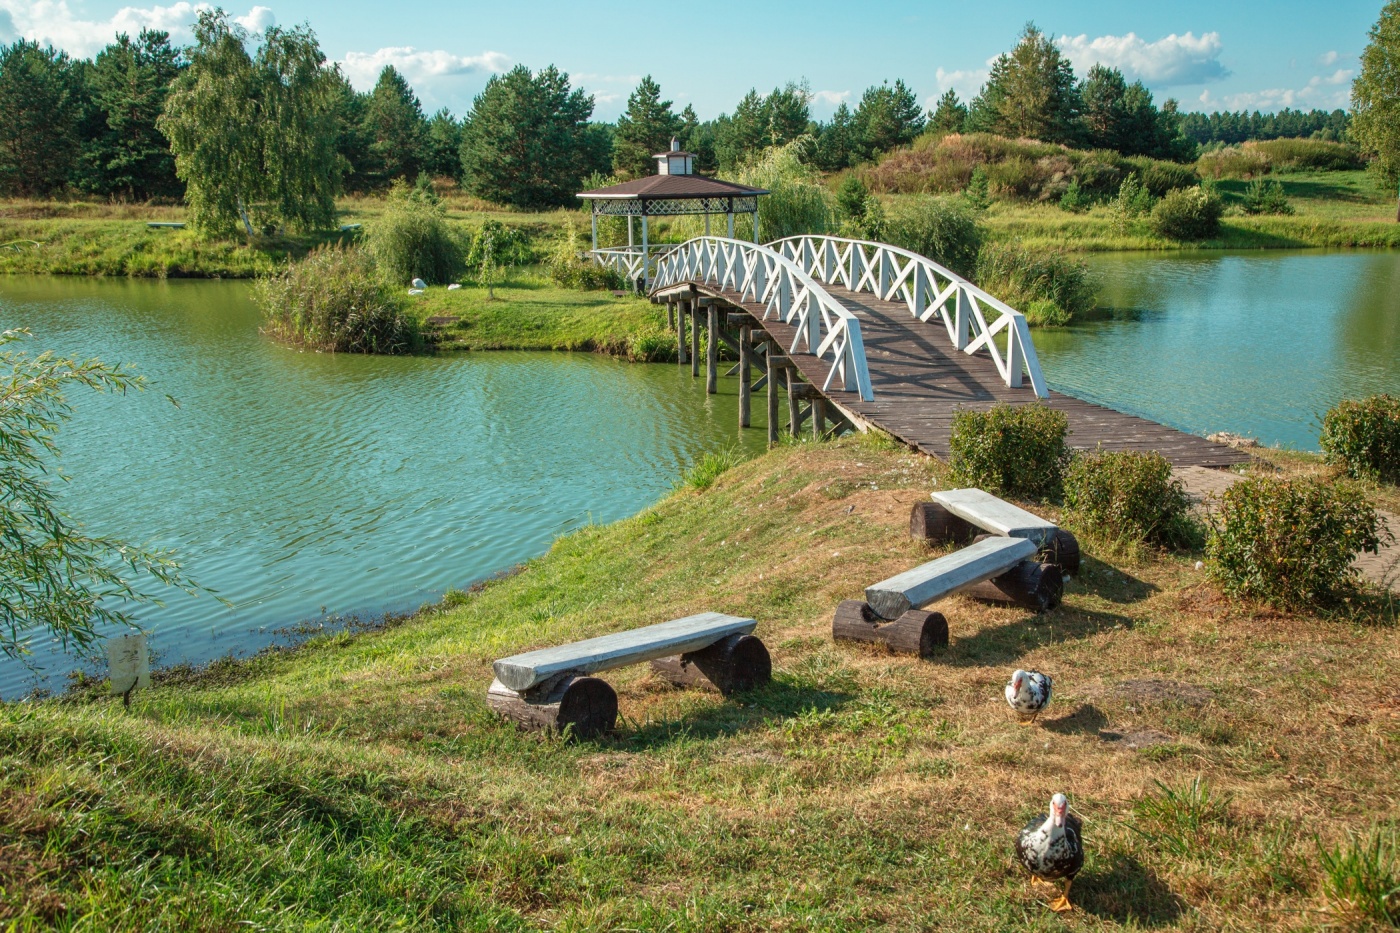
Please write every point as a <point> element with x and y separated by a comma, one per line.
<point>915,632</point>
<point>587,704</point>
<point>1062,548</point>
<point>731,665</point>
<point>932,523</point>
<point>1031,585</point>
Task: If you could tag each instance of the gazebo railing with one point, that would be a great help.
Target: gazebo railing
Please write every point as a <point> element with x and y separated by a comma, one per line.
<point>825,328</point>
<point>633,263</point>
<point>974,319</point>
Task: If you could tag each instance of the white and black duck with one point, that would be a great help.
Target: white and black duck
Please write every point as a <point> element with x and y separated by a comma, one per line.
<point>1051,847</point>
<point>1028,693</point>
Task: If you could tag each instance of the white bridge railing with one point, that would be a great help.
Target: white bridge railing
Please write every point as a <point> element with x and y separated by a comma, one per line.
<point>975,320</point>
<point>789,293</point>
<point>631,262</point>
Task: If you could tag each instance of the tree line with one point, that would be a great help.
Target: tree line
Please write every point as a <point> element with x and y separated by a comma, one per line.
<point>1230,128</point>
<point>257,131</point>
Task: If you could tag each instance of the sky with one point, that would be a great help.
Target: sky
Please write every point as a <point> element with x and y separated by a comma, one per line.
<point>1208,55</point>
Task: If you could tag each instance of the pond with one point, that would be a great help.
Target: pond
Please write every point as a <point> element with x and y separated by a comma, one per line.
<point>298,484</point>
<point>1255,343</point>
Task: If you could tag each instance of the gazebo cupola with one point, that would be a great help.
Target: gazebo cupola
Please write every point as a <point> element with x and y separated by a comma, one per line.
<point>674,190</point>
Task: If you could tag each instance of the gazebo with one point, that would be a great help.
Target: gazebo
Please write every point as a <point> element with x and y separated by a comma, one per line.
<point>675,189</point>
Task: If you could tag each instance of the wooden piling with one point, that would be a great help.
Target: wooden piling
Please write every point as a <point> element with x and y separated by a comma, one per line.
<point>818,418</point>
<point>712,352</point>
<point>794,408</point>
<point>773,367</point>
<point>680,332</point>
<point>694,341</point>
<point>670,315</point>
<point>745,385</point>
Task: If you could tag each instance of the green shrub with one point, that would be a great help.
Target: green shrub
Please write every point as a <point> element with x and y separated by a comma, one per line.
<point>1233,162</point>
<point>1048,286</point>
<point>1265,196</point>
<point>1188,214</point>
<point>1128,497</point>
<point>1132,201</point>
<point>1364,437</point>
<point>1289,543</point>
<point>412,239</point>
<point>1302,155</point>
<point>569,268</point>
<point>1361,880</point>
<point>703,473</point>
<point>652,347</point>
<point>1016,450</point>
<point>850,198</point>
<point>797,202</point>
<point>1160,178</point>
<point>943,229</point>
<point>978,193</point>
<point>335,299</point>
<point>1074,199</point>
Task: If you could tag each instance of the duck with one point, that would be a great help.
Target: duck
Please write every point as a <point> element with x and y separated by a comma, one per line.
<point>1028,692</point>
<point>418,283</point>
<point>1051,848</point>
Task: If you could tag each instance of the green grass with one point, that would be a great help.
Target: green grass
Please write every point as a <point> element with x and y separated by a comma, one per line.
<point>361,783</point>
<point>529,313</point>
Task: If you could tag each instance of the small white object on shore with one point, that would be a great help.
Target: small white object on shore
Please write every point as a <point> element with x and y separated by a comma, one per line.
<point>128,663</point>
<point>454,286</point>
<point>419,283</point>
<point>1200,565</point>
<point>415,291</point>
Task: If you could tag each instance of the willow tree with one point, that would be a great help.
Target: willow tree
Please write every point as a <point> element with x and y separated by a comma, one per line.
<point>1375,97</point>
<point>255,133</point>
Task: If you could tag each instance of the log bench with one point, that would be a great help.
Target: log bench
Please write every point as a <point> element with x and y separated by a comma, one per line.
<point>892,613</point>
<point>956,515</point>
<point>551,688</point>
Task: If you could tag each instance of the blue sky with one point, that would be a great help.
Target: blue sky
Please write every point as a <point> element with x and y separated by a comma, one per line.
<point>1209,55</point>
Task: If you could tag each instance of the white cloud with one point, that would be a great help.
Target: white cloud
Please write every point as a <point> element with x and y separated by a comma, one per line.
<point>420,68</point>
<point>1325,92</point>
<point>1327,59</point>
<point>967,82</point>
<point>53,23</point>
<point>1176,59</point>
<point>831,98</point>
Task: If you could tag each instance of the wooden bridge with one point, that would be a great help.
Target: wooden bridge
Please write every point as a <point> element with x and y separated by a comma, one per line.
<point>861,334</point>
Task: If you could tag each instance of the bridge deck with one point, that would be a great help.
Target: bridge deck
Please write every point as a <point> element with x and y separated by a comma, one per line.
<point>920,382</point>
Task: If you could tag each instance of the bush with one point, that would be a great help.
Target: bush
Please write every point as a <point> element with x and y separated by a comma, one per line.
<point>412,239</point>
<point>1289,543</point>
<point>1016,450</point>
<point>1233,162</point>
<point>652,347</point>
<point>797,202</point>
<point>1048,286</point>
<point>335,299</point>
<point>1132,201</point>
<point>943,229</point>
<point>1074,199</point>
<point>1301,155</point>
<point>1188,214</point>
<point>1265,197</point>
<point>1364,438</point>
<point>569,268</point>
<point>1161,178</point>
<point>1127,497</point>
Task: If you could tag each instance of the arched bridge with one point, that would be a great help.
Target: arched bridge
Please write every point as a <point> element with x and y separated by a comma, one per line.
<point>868,334</point>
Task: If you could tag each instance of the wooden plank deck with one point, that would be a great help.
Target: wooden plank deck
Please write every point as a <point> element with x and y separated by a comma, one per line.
<point>920,382</point>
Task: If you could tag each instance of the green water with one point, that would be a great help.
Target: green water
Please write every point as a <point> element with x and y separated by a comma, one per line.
<point>1256,343</point>
<point>300,484</point>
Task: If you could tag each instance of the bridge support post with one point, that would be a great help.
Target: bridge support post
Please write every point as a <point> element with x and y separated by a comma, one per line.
<point>694,340</point>
<point>680,331</point>
<point>773,368</point>
<point>670,314</point>
<point>745,383</point>
<point>712,351</point>
<point>818,418</point>
<point>794,406</point>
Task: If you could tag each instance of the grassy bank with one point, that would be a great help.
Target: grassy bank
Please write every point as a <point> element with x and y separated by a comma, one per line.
<point>362,784</point>
<point>530,313</point>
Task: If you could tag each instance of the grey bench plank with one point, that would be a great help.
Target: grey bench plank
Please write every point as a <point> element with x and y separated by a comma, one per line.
<point>523,671</point>
<point>998,516</point>
<point>930,582</point>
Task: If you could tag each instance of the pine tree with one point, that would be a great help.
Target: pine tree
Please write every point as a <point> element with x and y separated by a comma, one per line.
<point>787,113</point>
<point>1030,93</point>
<point>644,130</point>
<point>950,114</point>
<point>352,139</point>
<point>395,125</point>
<point>698,138</point>
<point>527,141</point>
<point>887,118</point>
<point>129,82</point>
<point>1375,97</point>
<point>39,111</point>
<point>442,154</point>
<point>1103,94</point>
<point>740,137</point>
<point>836,141</point>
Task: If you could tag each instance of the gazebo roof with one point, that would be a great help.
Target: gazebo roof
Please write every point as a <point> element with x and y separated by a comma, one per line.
<point>672,187</point>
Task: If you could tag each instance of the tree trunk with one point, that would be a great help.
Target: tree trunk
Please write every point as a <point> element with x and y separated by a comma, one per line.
<point>915,632</point>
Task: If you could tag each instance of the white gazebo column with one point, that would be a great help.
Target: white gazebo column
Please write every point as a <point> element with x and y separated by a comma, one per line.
<point>594,216</point>
<point>630,242</point>
<point>646,261</point>
<point>731,225</point>
<point>707,223</point>
<point>755,220</point>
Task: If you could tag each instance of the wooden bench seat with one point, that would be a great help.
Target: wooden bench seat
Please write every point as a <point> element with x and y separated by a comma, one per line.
<point>551,687</point>
<point>955,515</point>
<point>936,579</point>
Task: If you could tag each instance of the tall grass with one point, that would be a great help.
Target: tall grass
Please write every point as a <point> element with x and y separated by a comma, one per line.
<point>943,229</point>
<point>336,300</point>
<point>1361,880</point>
<point>1048,286</point>
<point>1260,157</point>
<point>710,467</point>
<point>797,201</point>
